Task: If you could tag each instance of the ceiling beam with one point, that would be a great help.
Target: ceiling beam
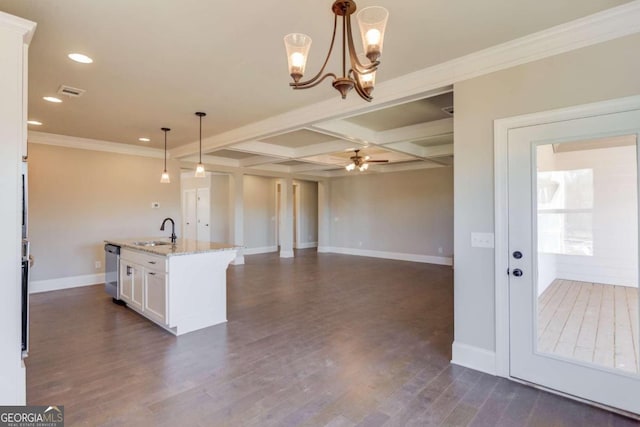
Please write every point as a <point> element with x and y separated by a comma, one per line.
<point>416,132</point>
<point>323,148</point>
<point>345,130</point>
<point>264,149</point>
<point>256,161</point>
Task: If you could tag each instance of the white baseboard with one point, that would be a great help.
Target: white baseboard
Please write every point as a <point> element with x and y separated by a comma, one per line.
<point>263,250</point>
<point>37,286</point>
<point>286,253</point>
<point>306,245</point>
<point>475,358</point>
<point>239,260</point>
<point>428,259</point>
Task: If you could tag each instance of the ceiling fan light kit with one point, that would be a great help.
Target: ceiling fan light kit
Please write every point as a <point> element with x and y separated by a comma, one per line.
<point>360,162</point>
<point>361,74</point>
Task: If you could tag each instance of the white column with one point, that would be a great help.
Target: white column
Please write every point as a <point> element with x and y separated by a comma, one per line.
<point>324,217</point>
<point>236,195</point>
<point>15,34</point>
<point>286,229</point>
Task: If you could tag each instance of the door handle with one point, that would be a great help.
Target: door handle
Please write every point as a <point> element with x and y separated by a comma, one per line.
<point>517,254</point>
<point>517,272</point>
<point>152,273</point>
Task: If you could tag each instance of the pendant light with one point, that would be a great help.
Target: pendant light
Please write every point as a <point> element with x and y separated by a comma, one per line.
<point>165,175</point>
<point>200,167</point>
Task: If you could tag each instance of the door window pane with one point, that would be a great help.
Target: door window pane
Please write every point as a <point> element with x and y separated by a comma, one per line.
<point>587,261</point>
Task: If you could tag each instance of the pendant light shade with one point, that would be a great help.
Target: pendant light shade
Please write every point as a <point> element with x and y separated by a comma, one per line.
<point>164,179</point>
<point>200,173</point>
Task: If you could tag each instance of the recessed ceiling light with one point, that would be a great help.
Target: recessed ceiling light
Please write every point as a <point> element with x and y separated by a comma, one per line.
<point>34,122</point>
<point>52,99</point>
<point>144,139</point>
<point>78,57</point>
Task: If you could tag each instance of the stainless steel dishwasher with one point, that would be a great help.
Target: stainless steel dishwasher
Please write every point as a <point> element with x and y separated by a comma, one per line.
<point>111,270</point>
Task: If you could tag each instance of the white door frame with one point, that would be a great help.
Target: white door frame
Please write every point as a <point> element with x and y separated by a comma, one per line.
<point>501,129</point>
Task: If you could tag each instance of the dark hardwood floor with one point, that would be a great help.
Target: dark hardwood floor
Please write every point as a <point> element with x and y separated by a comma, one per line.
<point>319,340</point>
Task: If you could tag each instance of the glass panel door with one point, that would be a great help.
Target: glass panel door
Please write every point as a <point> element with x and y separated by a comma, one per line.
<point>587,257</point>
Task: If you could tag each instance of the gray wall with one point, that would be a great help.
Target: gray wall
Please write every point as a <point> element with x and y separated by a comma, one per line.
<point>405,212</point>
<point>78,198</point>
<point>259,212</point>
<point>308,215</point>
<point>600,72</point>
<point>220,208</point>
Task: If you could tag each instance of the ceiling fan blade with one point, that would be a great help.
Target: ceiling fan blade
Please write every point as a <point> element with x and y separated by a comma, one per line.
<point>377,161</point>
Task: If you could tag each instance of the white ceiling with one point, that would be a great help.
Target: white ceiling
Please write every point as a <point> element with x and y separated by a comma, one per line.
<point>156,63</point>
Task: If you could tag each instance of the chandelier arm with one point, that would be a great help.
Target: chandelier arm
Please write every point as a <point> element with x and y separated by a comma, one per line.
<point>345,18</point>
<point>306,83</point>
<point>356,65</point>
<point>311,83</point>
<point>358,87</point>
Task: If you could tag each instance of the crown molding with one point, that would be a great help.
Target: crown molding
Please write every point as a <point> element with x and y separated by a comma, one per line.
<point>44,138</point>
<point>600,27</point>
<point>19,25</point>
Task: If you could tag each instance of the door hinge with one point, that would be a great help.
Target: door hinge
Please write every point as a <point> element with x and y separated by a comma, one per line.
<point>507,271</point>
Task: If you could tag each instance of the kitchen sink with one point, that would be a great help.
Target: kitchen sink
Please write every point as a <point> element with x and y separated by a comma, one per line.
<point>152,243</point>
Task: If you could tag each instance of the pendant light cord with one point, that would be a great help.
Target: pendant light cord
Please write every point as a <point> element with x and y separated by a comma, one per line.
<point>200,139</point>
<point>165,150</point>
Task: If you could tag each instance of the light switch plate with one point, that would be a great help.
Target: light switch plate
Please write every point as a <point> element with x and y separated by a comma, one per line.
<point>155,205</point>
<point>482,240</point>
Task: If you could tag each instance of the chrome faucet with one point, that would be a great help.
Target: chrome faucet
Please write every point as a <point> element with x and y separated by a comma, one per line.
<point>173,229</point>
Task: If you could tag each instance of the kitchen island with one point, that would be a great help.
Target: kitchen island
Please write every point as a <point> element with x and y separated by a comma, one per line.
<point>180,286</point>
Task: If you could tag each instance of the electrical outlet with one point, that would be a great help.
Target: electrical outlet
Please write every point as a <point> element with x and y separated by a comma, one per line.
<point>98,265</point>
<point>440,250</point>
<point>155,205</point>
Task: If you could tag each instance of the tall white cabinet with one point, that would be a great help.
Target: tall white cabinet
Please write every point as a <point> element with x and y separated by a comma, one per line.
<point>15,36</point>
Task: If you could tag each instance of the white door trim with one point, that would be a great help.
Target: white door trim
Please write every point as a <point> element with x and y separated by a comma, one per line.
<point>501,130</point>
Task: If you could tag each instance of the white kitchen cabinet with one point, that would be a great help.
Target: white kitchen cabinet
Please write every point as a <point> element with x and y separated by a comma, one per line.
<point>131,286</point>
<point>180,287</point>
<point>143,284</point>
<point>155,296</point>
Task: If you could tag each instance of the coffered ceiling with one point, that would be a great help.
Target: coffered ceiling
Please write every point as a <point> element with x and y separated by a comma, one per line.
<point>156,63</point>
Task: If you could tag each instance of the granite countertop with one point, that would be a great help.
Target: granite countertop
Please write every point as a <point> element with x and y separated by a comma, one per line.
<point>181,247</point>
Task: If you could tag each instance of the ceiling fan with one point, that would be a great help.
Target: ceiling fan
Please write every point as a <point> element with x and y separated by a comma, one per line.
<point>361,162</point>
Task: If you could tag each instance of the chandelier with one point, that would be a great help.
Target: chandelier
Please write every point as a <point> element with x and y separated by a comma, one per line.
<point>362,68</point>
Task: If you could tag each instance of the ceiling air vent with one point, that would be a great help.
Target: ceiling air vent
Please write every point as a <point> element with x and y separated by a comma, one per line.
<point>70,91</point>
<point>448,110</point>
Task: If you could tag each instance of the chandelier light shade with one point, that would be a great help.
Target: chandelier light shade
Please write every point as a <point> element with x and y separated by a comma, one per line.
<point>200,173</point>
<point>359,74</point>
<point>164,179</point>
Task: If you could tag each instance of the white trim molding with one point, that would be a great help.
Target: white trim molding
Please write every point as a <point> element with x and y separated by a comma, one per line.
<point>262,250</point>
<point>501,203</point>
<point>37,286</point>
<point>306,245</point>
<point>287,253</point>
<point>44,138</point>
<point>399,256</point>
<point>21,26</point>
<point>473,357</point>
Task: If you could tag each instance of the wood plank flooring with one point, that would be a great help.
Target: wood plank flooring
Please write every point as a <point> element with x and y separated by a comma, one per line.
<point>590,322</point>
<point>319,340</point>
